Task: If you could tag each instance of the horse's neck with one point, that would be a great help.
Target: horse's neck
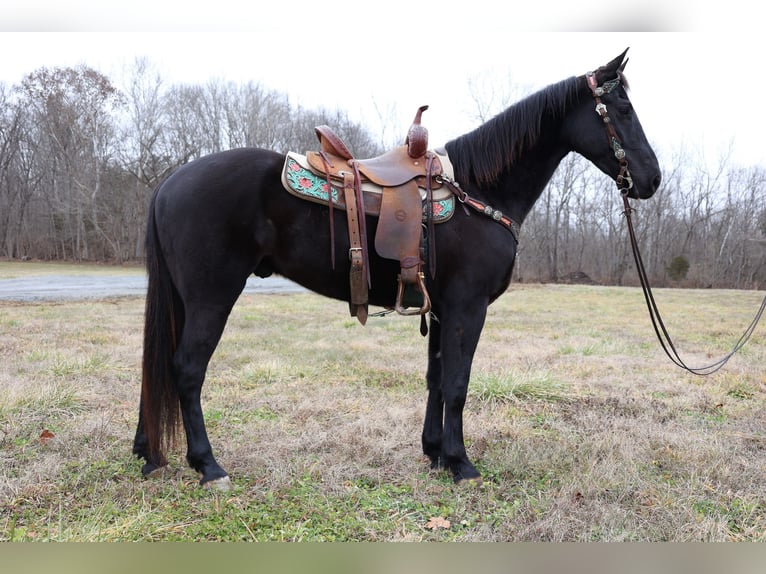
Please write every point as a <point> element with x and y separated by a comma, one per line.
<point>522,184</point>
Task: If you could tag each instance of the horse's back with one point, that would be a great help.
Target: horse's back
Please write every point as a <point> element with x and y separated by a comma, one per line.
<point>209,215</point>
<point>227,179</point>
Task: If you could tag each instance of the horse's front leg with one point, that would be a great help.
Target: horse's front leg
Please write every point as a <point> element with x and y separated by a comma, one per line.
<point>460,331</point>
<point>434,419</point>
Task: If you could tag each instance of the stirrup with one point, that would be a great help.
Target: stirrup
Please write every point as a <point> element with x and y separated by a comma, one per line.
<point>421,286</point>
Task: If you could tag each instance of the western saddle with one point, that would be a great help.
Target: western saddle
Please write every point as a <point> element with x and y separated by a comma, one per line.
<point>400,173</point>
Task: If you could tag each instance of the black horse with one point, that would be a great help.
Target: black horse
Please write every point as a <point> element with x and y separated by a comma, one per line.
<point>225,216</point>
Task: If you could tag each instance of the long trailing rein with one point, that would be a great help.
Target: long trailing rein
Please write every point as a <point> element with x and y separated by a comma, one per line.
<point>625,183</point>
<point>659,325</point>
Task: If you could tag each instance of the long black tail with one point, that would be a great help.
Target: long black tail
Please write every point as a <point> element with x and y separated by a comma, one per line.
<point>163,325</point>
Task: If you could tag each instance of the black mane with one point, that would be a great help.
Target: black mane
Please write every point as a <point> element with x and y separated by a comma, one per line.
<point>481,155</point>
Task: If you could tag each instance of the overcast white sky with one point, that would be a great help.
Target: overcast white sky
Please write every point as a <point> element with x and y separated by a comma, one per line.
<point>691,88</point>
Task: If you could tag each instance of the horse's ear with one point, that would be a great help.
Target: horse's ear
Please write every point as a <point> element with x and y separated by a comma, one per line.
<point>619,63</point>
<point>622,66</point>
<point>613,68</point>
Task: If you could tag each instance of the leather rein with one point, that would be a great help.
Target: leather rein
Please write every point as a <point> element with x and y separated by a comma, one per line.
<point>625,184</point>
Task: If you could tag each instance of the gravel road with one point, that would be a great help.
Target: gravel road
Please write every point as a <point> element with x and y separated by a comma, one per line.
<point>81,287</point>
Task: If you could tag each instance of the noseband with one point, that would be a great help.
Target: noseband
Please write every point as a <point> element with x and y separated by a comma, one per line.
<point>624,179</point>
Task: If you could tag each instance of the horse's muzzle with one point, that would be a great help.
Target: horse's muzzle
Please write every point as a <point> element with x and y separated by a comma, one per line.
<point>645,191</point>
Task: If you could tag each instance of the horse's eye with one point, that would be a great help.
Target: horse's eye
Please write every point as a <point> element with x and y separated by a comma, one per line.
<point>625,109</point>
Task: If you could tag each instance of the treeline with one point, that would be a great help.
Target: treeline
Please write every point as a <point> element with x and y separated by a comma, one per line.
<point>80,156</point>
<point>702,228</point>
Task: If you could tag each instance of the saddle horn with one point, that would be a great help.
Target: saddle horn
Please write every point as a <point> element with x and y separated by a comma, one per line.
<point>417,136</point>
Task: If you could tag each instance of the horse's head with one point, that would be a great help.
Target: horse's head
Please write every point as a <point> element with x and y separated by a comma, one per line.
<point>605,129</point>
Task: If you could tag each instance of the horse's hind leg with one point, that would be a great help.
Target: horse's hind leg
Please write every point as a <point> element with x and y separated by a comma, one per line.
<point>202,331</point>
<point>154,464</point>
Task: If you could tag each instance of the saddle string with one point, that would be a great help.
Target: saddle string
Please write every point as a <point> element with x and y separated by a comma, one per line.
<point>326,163</point>
<point>624,184</point>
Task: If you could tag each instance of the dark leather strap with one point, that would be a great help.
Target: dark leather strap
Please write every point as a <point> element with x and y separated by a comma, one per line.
<point>431,240</point>
<point>360,209</point>
<point>359,292</point>
<point>326,162</point>
<point>482,207</point>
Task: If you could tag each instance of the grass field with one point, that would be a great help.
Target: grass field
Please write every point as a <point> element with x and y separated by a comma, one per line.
<point>582,429</point>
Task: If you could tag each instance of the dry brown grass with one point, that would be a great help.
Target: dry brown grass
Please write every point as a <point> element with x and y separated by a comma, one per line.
<point>581,428</point>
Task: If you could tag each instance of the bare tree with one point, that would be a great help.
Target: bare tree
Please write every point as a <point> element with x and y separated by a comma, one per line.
<point>73,111</point>
<point>142,152</point>
<point>12,198</point>
<point>253,115</point>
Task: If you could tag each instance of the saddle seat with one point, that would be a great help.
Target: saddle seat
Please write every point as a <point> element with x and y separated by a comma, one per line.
<point>400,174</point>
<point>391,169</point>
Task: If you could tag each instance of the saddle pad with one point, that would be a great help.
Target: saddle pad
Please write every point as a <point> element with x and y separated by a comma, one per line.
<point>300,181</point>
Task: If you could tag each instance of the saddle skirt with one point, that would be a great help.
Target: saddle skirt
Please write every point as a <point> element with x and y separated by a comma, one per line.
<point>300,179</point>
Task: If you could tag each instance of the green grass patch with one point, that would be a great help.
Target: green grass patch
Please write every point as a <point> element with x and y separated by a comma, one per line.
<point>517,386</point>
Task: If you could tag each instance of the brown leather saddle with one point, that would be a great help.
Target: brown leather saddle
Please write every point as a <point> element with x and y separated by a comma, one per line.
<point>400,174</point>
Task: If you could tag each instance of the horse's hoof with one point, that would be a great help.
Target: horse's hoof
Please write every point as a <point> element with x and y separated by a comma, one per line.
<point>474,482</point>
<point>222,484</point>
<point>151,471</point>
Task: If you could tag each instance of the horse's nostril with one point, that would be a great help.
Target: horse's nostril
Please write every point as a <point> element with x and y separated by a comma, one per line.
<point>656,182</point>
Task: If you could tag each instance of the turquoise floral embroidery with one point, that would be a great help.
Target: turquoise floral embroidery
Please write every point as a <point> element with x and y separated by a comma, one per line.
<point>306,183</point>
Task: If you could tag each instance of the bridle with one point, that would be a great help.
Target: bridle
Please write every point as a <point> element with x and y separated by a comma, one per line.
<point>625,184</point>
<point>624,180</point>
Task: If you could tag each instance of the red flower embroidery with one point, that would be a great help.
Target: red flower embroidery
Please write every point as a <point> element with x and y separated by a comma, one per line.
<point>294,166</point>
<point>304,182</point>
